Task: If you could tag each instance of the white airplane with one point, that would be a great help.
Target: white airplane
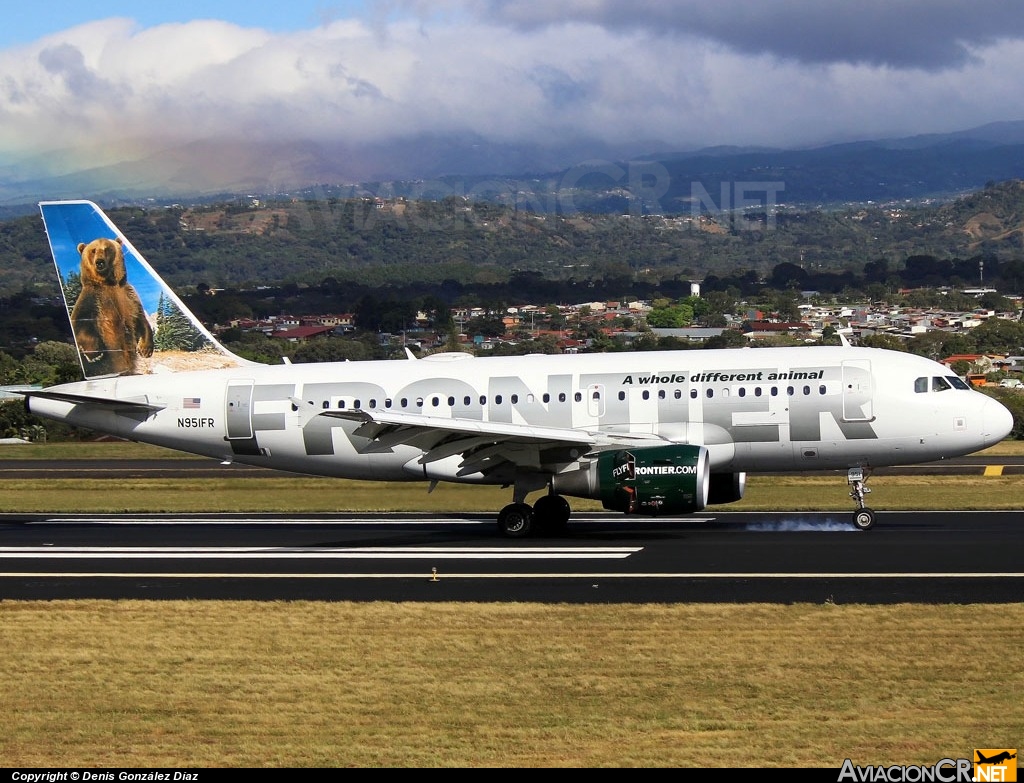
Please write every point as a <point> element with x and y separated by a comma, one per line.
<point>649,433</point>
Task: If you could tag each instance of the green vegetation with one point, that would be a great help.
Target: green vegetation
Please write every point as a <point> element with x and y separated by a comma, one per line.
<point>344,249</point>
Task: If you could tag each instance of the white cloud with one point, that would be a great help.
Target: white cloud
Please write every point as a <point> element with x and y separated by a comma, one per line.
<point>504,72</point>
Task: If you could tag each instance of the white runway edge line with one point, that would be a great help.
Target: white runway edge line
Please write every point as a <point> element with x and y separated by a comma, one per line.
<point>438,577</point>
<point>125,519</point>
<point>147,519</point>
<point>318,553</point>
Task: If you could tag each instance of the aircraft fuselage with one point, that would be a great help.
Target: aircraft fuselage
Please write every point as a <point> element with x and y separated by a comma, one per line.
<point>792,409</point>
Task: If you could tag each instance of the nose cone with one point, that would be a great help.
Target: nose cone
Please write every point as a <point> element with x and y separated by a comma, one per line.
<point>997,421</point>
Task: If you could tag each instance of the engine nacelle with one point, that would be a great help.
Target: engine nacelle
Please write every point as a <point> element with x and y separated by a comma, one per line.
<point>726,488</point>
<point>655,481</point>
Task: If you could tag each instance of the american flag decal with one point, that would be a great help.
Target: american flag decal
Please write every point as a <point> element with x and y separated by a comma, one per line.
<point>190,402</point>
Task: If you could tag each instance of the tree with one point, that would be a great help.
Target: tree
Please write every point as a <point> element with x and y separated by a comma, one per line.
<point>961,367</point>
<point>174,331</point>
<point>730,338</point>
<point>998,335</point>
<point>330,349</point>
<point>671,317</point>
<point>887,341</point>
<point>62,359</point>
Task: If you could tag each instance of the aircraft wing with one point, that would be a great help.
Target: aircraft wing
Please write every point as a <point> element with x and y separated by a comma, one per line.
<point>483,445</point>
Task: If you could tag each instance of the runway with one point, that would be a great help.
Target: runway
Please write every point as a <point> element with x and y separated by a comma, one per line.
<point>818,557</point>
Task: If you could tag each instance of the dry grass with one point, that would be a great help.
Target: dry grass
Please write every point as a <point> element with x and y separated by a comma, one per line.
<point>298,495</point>
<point>306,684</point>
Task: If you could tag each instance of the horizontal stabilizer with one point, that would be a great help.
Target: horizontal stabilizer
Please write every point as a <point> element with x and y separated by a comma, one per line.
<point>103,402</point>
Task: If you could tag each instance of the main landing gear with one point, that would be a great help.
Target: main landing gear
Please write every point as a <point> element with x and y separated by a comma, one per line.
<point>548,516</point>
<point>863,517</point>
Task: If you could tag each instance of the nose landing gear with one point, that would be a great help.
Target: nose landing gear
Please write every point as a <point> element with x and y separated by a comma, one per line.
<point>863,517</point>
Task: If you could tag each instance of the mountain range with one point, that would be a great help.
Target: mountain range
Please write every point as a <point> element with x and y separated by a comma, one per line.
<point>551,178</point>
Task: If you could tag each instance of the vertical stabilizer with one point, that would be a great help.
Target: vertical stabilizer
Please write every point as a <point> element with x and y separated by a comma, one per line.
<point>125,319</point>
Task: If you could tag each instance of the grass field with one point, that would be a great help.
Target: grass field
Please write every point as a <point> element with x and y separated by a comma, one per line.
<point>279,492</point>
<point>97,684</point>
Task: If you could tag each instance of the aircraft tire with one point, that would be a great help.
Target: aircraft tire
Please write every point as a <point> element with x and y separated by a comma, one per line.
<point>551,514</point>
<point>516,520</point>
<point>864,519</point>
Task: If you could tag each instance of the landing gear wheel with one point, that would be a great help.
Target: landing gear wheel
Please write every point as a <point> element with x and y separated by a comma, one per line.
<point>551,513</point>
<point>864,519</point>
<point>515,520</point>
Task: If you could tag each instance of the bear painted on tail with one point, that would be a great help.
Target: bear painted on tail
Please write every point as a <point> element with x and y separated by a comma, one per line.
<point>109,321</point>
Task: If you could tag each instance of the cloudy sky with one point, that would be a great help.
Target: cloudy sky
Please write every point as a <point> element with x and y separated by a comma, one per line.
<point>115,80</point>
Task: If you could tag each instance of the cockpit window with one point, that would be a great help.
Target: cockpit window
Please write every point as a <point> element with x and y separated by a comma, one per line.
<point>939,383</point>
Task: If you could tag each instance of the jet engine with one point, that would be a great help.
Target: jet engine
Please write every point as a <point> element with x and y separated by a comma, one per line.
<point>726,488</point>
<point>655,481</point>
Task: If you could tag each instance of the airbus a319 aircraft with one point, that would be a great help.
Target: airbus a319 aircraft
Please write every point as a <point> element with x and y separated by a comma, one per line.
<point>648,433</point>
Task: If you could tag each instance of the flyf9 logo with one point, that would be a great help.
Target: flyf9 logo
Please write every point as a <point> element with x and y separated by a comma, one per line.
<point>995,764</point>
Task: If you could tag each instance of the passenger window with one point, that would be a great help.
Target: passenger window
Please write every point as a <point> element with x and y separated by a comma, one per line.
<point>578,397</point>
<point>356,404</point>
<point>514,399</point>
<point>742,391</point>
<point>622,395</point>
<point>821,389</point>
<point>693,394</point>
<point>646,395</point>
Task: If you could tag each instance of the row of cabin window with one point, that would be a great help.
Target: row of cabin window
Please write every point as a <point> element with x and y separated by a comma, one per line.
<point>577,397</point>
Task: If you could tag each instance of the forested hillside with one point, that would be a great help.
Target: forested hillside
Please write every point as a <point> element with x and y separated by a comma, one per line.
<point>386,243</point>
